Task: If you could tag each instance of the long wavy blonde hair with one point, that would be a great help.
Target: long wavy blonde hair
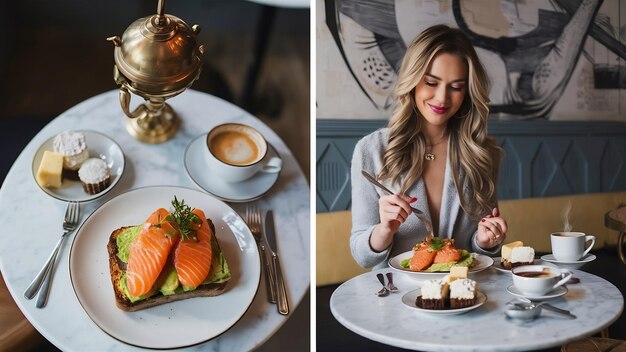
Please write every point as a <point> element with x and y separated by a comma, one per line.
<point>474,156</point>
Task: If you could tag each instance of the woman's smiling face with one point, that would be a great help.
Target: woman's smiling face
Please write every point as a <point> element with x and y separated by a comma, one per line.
<point>441,91</point>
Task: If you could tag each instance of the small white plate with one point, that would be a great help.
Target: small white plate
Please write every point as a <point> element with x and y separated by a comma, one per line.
<point>99,146</point>
<point>497,264</point>
<point>481,262</point>
<point>409,301</point>
<point>237,192</point>
<point>557,292</point>
<point>567,264</point>
<point>175,324</point>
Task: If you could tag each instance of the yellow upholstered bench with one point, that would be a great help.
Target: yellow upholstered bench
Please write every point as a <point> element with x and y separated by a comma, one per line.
<point>530,220</point>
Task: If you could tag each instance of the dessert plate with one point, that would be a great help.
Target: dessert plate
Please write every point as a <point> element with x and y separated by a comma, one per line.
<point>567,264</point>
<point>408,299</point>
<point>237,192</point>
<point>497,264</point>
<point>557,292</point>
<point>176,324</point>
<point>481,262</point>
<point>99,146</point>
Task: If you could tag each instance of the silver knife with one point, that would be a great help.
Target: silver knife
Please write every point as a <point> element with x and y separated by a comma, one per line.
<point>270,238</point>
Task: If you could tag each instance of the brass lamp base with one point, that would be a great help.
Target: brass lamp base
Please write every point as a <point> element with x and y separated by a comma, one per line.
<point>154,126</point>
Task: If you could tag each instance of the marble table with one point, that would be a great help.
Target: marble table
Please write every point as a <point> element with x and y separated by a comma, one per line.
<point>32,220</point>
<point>595,301</point>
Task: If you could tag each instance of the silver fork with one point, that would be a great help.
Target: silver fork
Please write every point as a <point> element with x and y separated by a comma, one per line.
<point>420,214</point>
<point>72,215</point>
<point>253,217</point>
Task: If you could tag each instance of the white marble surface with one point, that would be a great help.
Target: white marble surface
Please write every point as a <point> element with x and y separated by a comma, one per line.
<point>32,220</point>
<point>595,301</point>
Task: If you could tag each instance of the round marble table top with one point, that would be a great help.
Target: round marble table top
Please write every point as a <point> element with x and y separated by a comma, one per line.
<point>32,220</point>
<point>595,302</point>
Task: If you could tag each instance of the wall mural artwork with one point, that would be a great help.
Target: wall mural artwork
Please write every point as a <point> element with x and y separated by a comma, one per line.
<point>550,59</point>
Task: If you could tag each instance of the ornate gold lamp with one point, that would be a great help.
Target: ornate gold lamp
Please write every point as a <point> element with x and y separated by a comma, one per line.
<point>157,58</point>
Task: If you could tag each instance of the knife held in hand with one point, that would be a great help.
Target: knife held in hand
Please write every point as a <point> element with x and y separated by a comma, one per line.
<point>270,239</point>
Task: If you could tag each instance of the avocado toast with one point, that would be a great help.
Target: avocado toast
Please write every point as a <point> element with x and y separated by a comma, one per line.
<point>173,256</point>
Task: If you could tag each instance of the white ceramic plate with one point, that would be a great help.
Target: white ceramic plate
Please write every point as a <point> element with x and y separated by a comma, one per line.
<point>481,262</point>
<point>172,325</point>
<point>237,192</point>
<point>497,264</point>
<point>569,265</point>
<point>557,292</point>
<point>99,146</point>
<point>409,301</point>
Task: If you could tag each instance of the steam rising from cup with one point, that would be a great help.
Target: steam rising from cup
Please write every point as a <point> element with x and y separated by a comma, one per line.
<point>567,226</point>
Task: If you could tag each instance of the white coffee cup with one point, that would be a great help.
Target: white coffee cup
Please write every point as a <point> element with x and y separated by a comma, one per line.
<point>570,246</point>
<point>538,279</point>
<point>237,152</point>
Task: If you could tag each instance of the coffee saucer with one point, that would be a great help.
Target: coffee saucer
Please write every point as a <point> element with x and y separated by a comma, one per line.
<point>557,292</point>
<point>569,264</point>
<point>236,192</point>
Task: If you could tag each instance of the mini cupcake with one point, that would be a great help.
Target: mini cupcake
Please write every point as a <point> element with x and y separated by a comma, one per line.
<point>95,175</point>
<point>73,147</point>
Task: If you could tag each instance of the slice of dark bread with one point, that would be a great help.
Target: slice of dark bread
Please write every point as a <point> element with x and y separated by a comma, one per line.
<point>117,267</point>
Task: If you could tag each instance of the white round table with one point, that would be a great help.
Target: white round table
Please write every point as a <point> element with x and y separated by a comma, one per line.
<point>32,220</point>
<point>595,302</point>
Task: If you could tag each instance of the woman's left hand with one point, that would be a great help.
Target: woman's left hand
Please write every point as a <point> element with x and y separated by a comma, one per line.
<point>491,230</point>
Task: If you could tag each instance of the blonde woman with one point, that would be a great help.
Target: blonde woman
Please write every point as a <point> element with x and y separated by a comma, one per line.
<point>435,155</point>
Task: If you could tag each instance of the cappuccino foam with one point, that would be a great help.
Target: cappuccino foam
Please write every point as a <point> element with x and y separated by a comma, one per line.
<point>235,147</point>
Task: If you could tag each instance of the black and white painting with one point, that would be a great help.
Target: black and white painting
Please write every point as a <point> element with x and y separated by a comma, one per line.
<point>547,59</point>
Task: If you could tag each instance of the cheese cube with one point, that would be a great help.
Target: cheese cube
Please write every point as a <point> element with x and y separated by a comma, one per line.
<point>50,170</point>
<point>459,272</point>
<point>507,248</point>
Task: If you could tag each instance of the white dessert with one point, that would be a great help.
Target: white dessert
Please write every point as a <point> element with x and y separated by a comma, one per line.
<point>73,146</point>
<point>435,289</point>
<point>462,293</point>
<point>50,169</point>
<point>507,248</point>
<point>95,175</point>
<point>522,255</point>
<point>435,295</point>
<point>515,254</point>
<point>463,289</point>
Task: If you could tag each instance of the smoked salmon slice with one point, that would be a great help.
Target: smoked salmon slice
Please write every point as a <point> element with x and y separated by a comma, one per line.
<point>148,254</point>
<point>422,258</point>
<point>447,253</point>
<point>192,257</point>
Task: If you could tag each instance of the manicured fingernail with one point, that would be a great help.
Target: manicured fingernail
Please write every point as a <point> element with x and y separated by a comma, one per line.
<point>483,220</point>
<point>413,200</point>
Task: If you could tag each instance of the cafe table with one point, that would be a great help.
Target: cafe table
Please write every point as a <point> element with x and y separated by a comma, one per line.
<point>32,219</point>
<point>595,302</point>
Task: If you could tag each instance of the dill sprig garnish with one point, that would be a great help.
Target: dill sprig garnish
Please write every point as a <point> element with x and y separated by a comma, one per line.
<point>187,221</point>
<point>435,244</point>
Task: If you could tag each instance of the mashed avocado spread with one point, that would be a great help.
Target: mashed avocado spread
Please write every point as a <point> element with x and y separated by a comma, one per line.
<point>167,283</point>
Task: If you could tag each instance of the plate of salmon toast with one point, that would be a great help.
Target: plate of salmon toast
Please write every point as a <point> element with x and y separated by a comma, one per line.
<point>164,267</point>
<point>433,258</point>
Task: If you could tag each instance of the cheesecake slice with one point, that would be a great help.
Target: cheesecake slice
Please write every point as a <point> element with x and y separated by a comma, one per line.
<point>462,293</point>
<point>435,295</point>
<point>516,254</point>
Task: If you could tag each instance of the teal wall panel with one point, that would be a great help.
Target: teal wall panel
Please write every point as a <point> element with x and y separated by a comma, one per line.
<point>542,158</point>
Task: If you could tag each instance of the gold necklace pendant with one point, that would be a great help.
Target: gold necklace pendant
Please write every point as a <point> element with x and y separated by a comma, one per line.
<point>429,156</point>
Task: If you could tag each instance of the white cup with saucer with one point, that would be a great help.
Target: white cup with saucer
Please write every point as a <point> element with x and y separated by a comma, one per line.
<point>236,152</point>
<point>538,280</point>
<point>569,246</point>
